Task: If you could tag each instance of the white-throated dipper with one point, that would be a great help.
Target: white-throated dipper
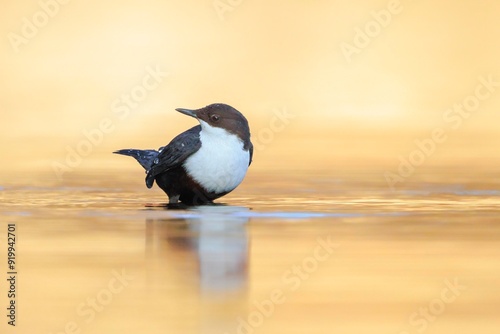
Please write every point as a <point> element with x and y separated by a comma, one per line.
<point>203,163</point>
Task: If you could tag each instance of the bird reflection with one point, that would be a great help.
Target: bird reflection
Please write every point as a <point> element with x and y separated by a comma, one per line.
<point>208,244</point>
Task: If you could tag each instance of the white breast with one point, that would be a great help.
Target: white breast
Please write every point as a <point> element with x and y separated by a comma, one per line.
<point>221,163</point>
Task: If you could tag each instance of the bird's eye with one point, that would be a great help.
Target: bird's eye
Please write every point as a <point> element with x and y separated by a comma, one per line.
<point>214,118</point>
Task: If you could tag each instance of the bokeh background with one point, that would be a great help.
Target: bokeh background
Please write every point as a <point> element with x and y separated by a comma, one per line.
<point>326,127</point>
<point>259,56</point>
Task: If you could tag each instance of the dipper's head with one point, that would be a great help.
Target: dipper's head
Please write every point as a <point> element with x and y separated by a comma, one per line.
<point>223,116</point>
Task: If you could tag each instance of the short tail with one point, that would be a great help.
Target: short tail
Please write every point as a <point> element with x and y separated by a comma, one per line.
<point>145,157</point>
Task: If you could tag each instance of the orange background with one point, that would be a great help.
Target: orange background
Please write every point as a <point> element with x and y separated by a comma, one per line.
<point>263,56</point>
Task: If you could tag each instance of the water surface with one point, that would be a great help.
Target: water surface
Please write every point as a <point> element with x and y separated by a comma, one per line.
<point>285,253</point>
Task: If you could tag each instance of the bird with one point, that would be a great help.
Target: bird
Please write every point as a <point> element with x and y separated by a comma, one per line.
<point>203,163</point>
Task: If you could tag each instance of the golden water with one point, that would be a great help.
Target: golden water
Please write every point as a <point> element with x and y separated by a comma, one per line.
<point>287,253</point>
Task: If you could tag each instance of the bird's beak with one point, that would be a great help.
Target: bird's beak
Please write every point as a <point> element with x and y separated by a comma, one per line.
<point>188,112</point>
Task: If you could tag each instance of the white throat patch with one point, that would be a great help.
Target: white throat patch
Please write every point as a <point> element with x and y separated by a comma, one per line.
<point>221,163</point>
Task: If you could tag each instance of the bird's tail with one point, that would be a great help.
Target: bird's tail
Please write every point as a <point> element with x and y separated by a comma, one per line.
<point>145,157</point>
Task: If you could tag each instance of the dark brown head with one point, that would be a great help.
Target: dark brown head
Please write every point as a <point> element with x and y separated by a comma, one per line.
<point>219,115</point>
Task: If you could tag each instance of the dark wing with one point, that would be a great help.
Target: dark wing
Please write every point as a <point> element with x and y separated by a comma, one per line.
<point>174,154</point>
<point>250,150</point>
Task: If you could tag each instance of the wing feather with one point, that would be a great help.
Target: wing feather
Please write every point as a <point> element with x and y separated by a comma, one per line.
<point>175,153</point>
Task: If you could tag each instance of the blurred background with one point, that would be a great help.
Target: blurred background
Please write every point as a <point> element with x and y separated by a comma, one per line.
<point>331,84</point>
<point>344,99</point>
